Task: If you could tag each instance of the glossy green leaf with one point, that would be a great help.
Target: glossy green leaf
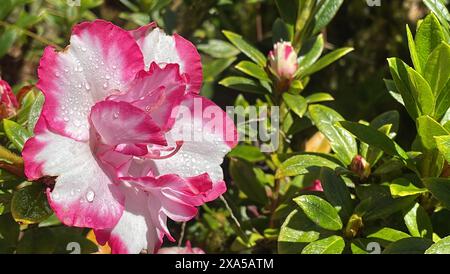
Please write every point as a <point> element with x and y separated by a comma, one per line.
<point>310,52</point>
<point>253,70</point>
<point>213,69</point>
<point>437,68</point>
<point>428,128</point>
<point>341,141</point>
<point>300,164</point>
<point>409,246</point>
<point>17,134</point>
<point>443,144</point>
<point>296,231</point>
<point>219,49</point>
<point>375,138</point>
<point>246,48</point>
<point>336,192</point>
<point>441,247</point>
<point>413,50</point>
<point>418,222</point>
<point>330,245</point>
<point>325,61</point>
<point>440,188</point>
<point>428,37</point>
<point>29,204</point>
<point>320,212</point>
<point>388,234</point>
<point>326,12</point>
<point>404,187</point>
<point>35,112</point>
<point>443,102</point>
<point>296,103</point>
<point>243,84</point>
<point>249,153</point>
<point>319,98</point>
<point>421,92</point>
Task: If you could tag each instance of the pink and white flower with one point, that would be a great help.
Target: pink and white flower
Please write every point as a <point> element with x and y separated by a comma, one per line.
<point>8,101</point>
<point>283,60</point>
<point>115,102</point>
<point>181,250</point>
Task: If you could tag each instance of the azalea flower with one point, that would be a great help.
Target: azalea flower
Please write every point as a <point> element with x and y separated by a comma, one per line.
<point>8,101</point>
<point>181,250</point>
<point>126,135</point>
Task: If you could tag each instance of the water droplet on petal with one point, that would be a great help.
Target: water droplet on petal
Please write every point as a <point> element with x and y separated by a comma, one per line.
<point>83,49</point>
<point>115,115</point>
<point>87,86</point>
<point>105,85</point>
<point>90,196</point>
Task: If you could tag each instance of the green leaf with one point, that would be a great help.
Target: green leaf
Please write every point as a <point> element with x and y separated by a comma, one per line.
<point>219,49</point>
<point>440,188</point>
<point>342,142</point>
<point>389,234</point>
<point>427,129</point>
<point>29,204</point>
<point>336,192</point>
<point>296,231</point>
<point>441,247</point>
<point>288,10</point>
<point>418,222</point>
<point>422,93</point>
<point>246,48</point>
<point>443,144</point>
<point>9,233</point>
<point>245,175</point>
<point>428,37</point>
<point>281,31</point>
<point>300,164</point>
<point>392,89</point>
<point>440,10</point>
<point>413,50</point>
<point>7,40</point>
<point>35,112</point>
<point>387,118</point>
<point>17,134</point>
<point>443,102</point>
<point>330,245</point>
<point>402,187</point>
<point>326,12</point>
<point>253,70</point>
<point>320,212</point>
<point>37,241</point>
<point>324,61</point>
<point>249,153</point>
<point>243,84</point>
<point>319,98</point>
<point>409,246</point>
<point>296,103</point>
<point>437,68</point>
<point>213,69</point>
<point>375,138</point>
<point>310,52</point>
<point>399,72</point>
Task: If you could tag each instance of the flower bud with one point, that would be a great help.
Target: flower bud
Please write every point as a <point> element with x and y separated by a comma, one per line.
<point>283,61</point>
<point>360,167</point>
<point>8,101</point>
<point>317,186</point>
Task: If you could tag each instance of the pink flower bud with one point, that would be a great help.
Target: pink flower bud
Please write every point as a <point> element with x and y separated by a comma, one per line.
<point>360,167</point>
<point>8,104</point>
<point>283,60</point>
<point>317,186</point>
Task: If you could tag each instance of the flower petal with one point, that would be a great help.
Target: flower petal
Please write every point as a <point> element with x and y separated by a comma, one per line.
<point>135,230</point>
<point>207,133</point>
<point>165,49</point>
<point>121,123</point>
<point>101,59</point>
<point>157,92</point>
<point>83,196</point>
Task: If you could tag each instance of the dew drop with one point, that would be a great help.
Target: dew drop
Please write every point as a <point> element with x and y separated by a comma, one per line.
<point>87,86</point>
<point>115,115</point>
<point>105,85</point>
<point>90,196</point>
<point>107,77</point>
<point>83,49</point>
